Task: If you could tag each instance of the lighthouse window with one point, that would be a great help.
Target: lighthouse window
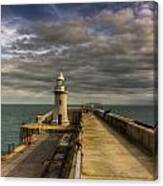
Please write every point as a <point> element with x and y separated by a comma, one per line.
<point>59,102</point>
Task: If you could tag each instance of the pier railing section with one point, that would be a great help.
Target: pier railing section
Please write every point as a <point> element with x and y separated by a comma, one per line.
<point>45,118</point>
<point>145,137</point>
<point>27,130</point>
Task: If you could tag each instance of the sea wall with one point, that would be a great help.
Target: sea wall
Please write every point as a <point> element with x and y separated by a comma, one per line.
<point>45,118</point>
<point>143,136</point>
<point>43,123</point>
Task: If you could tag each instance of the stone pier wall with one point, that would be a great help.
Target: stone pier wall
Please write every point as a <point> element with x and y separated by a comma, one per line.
<point>143,136</point>
<point>45,118</point>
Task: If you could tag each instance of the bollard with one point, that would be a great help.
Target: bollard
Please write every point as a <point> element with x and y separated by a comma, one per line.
<point>13,146</point>
<point>9,149</point>
<point>20,136</point>
<point>27,136</point>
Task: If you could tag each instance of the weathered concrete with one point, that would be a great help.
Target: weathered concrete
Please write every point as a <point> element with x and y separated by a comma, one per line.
<point>45,118</point>
<point>30,163</point>
<point>144,136</point>
<point>107,155</point>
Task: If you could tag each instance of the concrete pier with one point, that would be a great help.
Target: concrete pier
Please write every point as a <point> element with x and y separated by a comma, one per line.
<point>91,147</point>
<point>46,151</point>
<point>30,163</point>
<point>108,155</point>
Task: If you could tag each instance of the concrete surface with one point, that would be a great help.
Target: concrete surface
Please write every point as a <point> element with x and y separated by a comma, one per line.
<point>31,161</point>
<point>107,155</point>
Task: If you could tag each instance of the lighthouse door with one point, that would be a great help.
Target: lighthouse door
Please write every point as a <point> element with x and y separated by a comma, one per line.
<point>59,119</point>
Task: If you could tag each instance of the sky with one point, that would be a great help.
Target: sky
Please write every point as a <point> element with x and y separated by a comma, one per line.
<point>106,52</point>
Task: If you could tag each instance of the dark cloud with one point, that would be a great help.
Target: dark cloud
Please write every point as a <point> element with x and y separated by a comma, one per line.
<point>106,55</point>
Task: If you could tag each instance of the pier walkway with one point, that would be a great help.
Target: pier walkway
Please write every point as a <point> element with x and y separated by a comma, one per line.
<point>108,155</point>
<point>31,162</point>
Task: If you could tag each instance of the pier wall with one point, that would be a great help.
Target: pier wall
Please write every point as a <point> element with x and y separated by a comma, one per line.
<point>45,118</point>
<point>74,116</point>
<point>143,136</point>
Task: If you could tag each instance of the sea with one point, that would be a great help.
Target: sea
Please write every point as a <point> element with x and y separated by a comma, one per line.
<point>12,116</point>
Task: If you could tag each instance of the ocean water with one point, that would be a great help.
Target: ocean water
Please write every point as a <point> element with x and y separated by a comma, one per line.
<point>145,114</point>
<point>13,115</point>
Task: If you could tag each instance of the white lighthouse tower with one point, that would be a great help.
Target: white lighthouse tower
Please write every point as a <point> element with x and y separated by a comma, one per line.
<point>60,111</point>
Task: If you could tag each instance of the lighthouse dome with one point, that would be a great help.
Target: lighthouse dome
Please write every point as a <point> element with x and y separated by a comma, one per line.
<point>61,77</point>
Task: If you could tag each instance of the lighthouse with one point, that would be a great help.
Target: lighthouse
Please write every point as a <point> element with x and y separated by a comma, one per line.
<point>60,93</point>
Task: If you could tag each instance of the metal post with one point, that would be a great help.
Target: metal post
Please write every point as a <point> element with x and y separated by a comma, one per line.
<point>9,148</point>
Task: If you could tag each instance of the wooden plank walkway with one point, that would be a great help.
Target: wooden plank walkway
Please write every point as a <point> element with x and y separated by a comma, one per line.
<point>30,162</point>
<point>107,155</point>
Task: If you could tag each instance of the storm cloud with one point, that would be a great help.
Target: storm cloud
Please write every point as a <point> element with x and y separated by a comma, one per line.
<point>107,54</point>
